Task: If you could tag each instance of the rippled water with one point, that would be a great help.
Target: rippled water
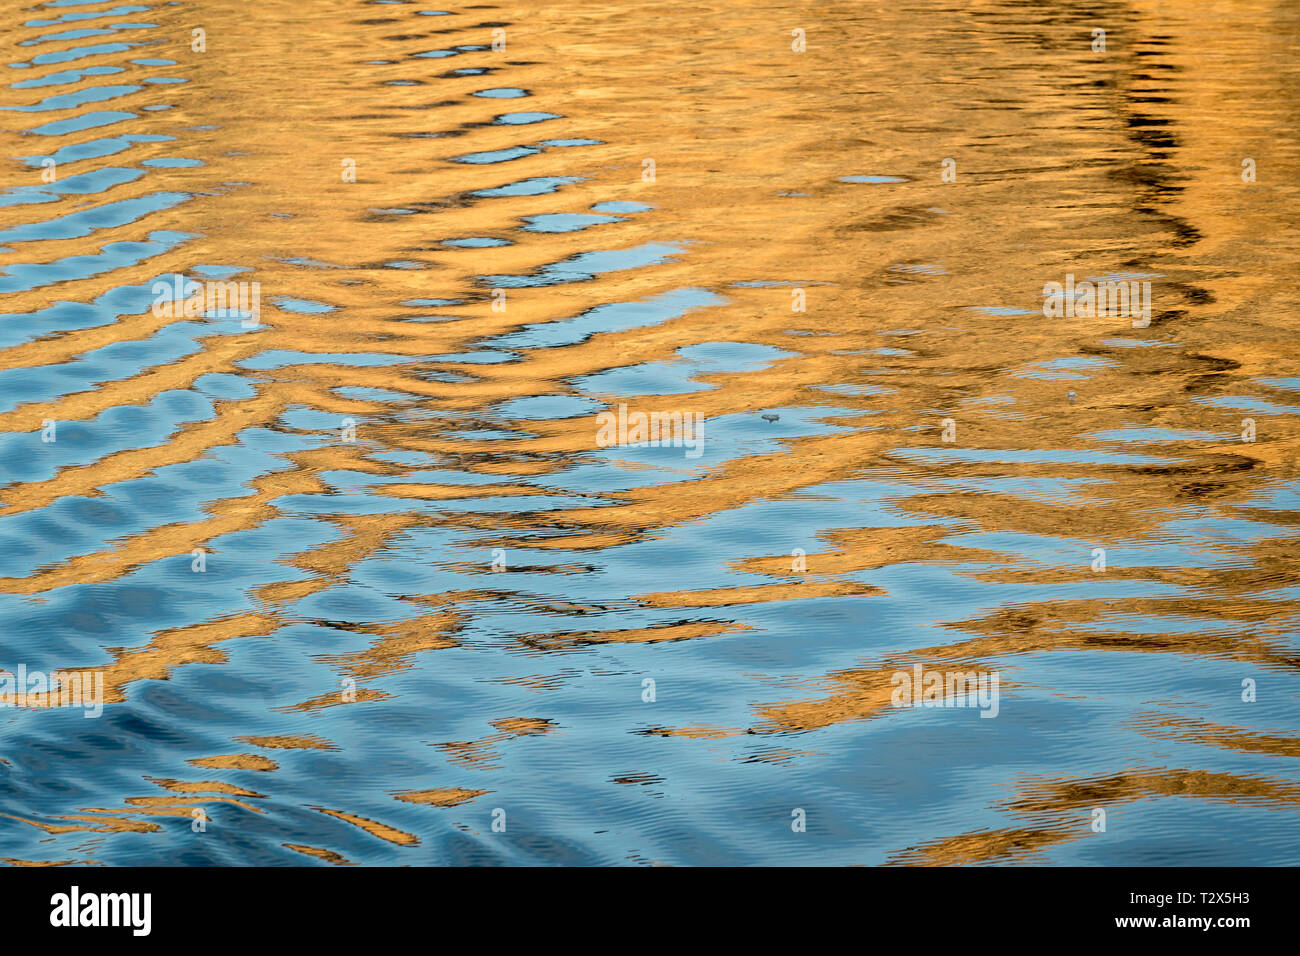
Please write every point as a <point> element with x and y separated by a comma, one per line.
<point>361,580</point>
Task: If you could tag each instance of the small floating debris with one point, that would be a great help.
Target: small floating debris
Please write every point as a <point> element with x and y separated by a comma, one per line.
<point>771,418</point>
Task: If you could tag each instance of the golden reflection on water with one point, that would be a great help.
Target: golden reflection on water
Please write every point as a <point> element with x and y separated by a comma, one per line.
<point>922,305</point>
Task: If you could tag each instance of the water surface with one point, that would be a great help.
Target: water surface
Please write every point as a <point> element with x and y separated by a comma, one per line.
<point>361,581</point>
